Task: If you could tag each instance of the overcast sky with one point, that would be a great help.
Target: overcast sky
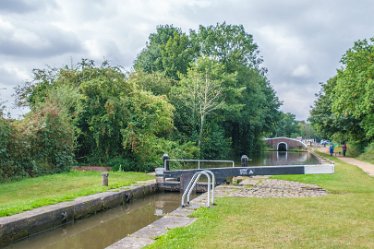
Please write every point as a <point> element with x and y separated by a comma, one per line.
<point>301,42</point>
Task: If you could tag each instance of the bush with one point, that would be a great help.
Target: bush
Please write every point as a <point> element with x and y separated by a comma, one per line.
<point>121,163</point>
<point>42,143</point>
<point>354,149</point>
<point>368,155</point>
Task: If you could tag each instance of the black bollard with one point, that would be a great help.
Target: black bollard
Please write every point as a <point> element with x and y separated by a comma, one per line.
<point>165,160</point>
<point>105,176</point>
<point>244,161</point>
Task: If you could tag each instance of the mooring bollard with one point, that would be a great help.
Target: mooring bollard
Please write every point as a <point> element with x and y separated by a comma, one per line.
<point>105,176</point>
<point>165,160</point>
<point>244,161</point>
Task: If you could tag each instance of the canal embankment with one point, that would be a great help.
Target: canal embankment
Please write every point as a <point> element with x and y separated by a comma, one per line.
<point>33,222</point>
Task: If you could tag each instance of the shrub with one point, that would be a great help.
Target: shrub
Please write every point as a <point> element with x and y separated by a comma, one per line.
<point>368,155</point>
<point>121,163</point>
<point>41,143</point>
<point>354,149</point>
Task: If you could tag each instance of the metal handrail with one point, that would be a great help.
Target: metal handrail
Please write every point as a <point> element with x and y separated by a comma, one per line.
<point>212,188</point>
<point>201,160</point>
<point>195,178</point>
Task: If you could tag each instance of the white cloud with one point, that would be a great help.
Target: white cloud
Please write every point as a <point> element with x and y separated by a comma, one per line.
<point>301,41</point>
<point>301,71</point>
<point>294,98</point>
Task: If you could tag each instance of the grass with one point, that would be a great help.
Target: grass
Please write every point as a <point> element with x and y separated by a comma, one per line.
<point>30,193</point>
<point>342,219</point>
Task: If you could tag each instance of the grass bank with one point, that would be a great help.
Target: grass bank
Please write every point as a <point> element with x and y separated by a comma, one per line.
<point>30,193</point>
<point>342,219</point>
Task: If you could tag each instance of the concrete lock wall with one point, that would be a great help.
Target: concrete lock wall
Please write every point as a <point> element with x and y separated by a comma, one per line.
<point>35,221</point>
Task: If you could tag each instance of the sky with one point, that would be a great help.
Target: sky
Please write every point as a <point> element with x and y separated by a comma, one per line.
<point>301,42</point>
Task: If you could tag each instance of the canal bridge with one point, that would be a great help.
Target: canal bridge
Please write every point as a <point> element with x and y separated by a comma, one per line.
<point>178,178</point>
<point>285,143</point>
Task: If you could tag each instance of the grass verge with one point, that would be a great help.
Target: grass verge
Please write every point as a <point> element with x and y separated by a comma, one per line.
<point>342,219</point>
<point>30,193</point>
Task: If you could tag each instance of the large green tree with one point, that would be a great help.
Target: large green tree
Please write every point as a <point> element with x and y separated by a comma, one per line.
<point>354,91</point>
<point>251,106</point>
<point>168,50</point>
<point>344,109</point>
<point>200,94</point>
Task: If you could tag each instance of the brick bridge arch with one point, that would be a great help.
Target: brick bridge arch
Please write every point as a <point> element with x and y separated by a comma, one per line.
<point>284,143</point>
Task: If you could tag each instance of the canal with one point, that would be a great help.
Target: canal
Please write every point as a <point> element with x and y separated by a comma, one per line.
<point>105,228</point>
<point>269,158</point>
<point>265,158</point>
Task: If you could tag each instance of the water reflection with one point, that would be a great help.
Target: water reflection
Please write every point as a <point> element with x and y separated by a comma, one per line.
<point>282,155</point>
<point>268,158</point>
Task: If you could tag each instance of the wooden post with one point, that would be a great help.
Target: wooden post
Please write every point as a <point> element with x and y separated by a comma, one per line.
<point>105,176</point>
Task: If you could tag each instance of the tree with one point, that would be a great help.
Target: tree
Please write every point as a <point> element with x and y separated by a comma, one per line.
<point>306,130</point>
<point>150,121</point>
<point>201,93</point>
<point>229,44</point>
<point>354,91</point>
<point>287,126</point>
<point>113,116</point>
<point>344,109</point>
<point>155,82</point>
<point>168,50</point>
<point>251,107</point>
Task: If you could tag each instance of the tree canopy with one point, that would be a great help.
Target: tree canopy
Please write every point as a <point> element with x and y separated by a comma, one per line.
<point>249,107</point>
<point>344,109</point>
<point>202,94</point>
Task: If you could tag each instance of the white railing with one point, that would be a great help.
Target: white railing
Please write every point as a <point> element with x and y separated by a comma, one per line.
<point>200,161</point>
<point>191,185</point>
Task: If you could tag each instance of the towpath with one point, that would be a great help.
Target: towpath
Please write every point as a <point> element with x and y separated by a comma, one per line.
<point>365,166</point>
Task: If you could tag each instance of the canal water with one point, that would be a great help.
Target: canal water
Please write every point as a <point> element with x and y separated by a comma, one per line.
<point>105,228</point>
<point>265,158</point>
<point>268,158</point>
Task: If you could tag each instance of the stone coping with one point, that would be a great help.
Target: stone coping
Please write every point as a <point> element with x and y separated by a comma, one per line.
<point>25,224</point>
<point>321,159</point>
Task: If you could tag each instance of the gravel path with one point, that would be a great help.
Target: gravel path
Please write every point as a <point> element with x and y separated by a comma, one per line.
<point>262,187</point>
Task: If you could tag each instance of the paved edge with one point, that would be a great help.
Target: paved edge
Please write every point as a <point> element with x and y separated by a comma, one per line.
<point>35,221</point>
<point>147,235</point>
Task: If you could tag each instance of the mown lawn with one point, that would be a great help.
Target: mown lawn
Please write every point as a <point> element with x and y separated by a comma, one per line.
<point>342,219</point>
<point>30,193</point>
